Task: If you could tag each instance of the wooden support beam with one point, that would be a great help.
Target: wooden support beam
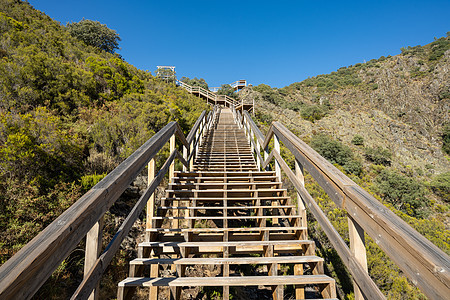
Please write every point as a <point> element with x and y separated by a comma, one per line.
<point>301,205</point>
<point>93,250</point>
<point>151,200</point>
<point>172,166</point>
<point>358,249</point>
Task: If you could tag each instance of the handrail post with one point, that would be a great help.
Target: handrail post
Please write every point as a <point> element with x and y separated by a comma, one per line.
<point>93,250</point>
<point>172,175</point>
<point>172,165</point>
<point>191,163</point>
<point>258,151</point>
<point>300,203</point>
<point>151,172</point>
<point>185,156</point>
<point>266,156</point>
<point>276,146</point>
<point>151,200</point>
<point>358,249</point>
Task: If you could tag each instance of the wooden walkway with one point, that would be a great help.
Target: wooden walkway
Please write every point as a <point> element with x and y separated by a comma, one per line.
<point>225,212</point>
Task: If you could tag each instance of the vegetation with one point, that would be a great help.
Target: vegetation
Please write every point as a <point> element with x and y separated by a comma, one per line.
<point>268,94</point>
<point>69,114</point>
<point>95,34</point>
<point>378,155</point>
<point>195,82</point>
<point>226,89</point>
<point>415,196</point>
<point>406,194</point>
<point>336,153</point>
<point>431,52</point>
<point>358,140</point>
<point>441,186</point>
<point>313,112</point>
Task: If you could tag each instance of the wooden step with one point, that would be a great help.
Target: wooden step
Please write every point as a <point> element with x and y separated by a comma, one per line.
<point>297,243</point>
<point>328,284</point>
<point>225,179</point>
<point>228,207</point>
<point>228,217</point>
<point>285,259</point>
<point>239,229</point>
<point>228,191</point>
<point>226,185</point>
<point>243,199</point>
<point>225,174</point>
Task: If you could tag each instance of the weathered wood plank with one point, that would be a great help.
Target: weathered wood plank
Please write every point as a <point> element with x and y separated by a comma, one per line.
<point>227,244</point>
<point>228,281</point>
<point>229,260</point>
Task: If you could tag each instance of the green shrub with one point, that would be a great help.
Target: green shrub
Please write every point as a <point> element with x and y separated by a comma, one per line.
<point>195,82</point>
<point>264,118</point>
<point>269,94</point>
<point>441,186</point>
<point>95,34</point>
<point>378,156</point>
<point>406,194</point>
<point>358,140</point>
<point>88,181</point>
<point>313,112</point>
<point>336,152</point>
<point>439,47</point>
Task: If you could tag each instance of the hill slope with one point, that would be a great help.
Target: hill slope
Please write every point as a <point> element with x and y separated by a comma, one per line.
<point>385,124</point>
<point>69,113</point>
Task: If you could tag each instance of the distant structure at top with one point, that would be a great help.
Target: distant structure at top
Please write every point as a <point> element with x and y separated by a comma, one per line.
<point>237,86</point>
<point>166,73</point>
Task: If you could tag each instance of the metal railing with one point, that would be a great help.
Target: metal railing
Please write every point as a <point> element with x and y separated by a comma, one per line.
<point>23,274</point>
<point>423,263</point>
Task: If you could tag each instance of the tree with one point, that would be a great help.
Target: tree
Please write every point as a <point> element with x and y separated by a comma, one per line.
<point>95,34</point>
<point>226,89</point>
<point>195,82</point>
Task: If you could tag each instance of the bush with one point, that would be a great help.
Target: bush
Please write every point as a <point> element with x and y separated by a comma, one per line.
<point>439,47</point>
<point>195,82</point>
<point>226,89</point>
<point>336,152</point>
<point>440,185</point>
<point>358,140</point>
<point>95,34</point>
<point>406,194</point>
<point>378,156</point>
<point>269,94</point>
<point>314,112</point>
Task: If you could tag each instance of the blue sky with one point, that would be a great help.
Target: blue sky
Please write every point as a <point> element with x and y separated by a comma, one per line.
<point>272,42</point>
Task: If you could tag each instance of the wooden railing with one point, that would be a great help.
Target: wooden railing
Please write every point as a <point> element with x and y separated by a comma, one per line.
<point>23,274</point>
<point>211,96</point>
<point>423,263</point>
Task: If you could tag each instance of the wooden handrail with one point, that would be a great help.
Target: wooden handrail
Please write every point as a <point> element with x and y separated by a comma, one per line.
<point>208,94</point>
<point>23,274</point>
<point>424,263</point>
<point>90,281</point>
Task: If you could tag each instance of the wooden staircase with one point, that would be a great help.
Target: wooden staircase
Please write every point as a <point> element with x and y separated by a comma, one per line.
<point>226,213</point>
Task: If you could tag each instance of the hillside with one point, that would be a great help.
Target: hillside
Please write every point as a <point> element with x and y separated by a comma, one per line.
<point>69,114</point>
<point>385,123</point>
